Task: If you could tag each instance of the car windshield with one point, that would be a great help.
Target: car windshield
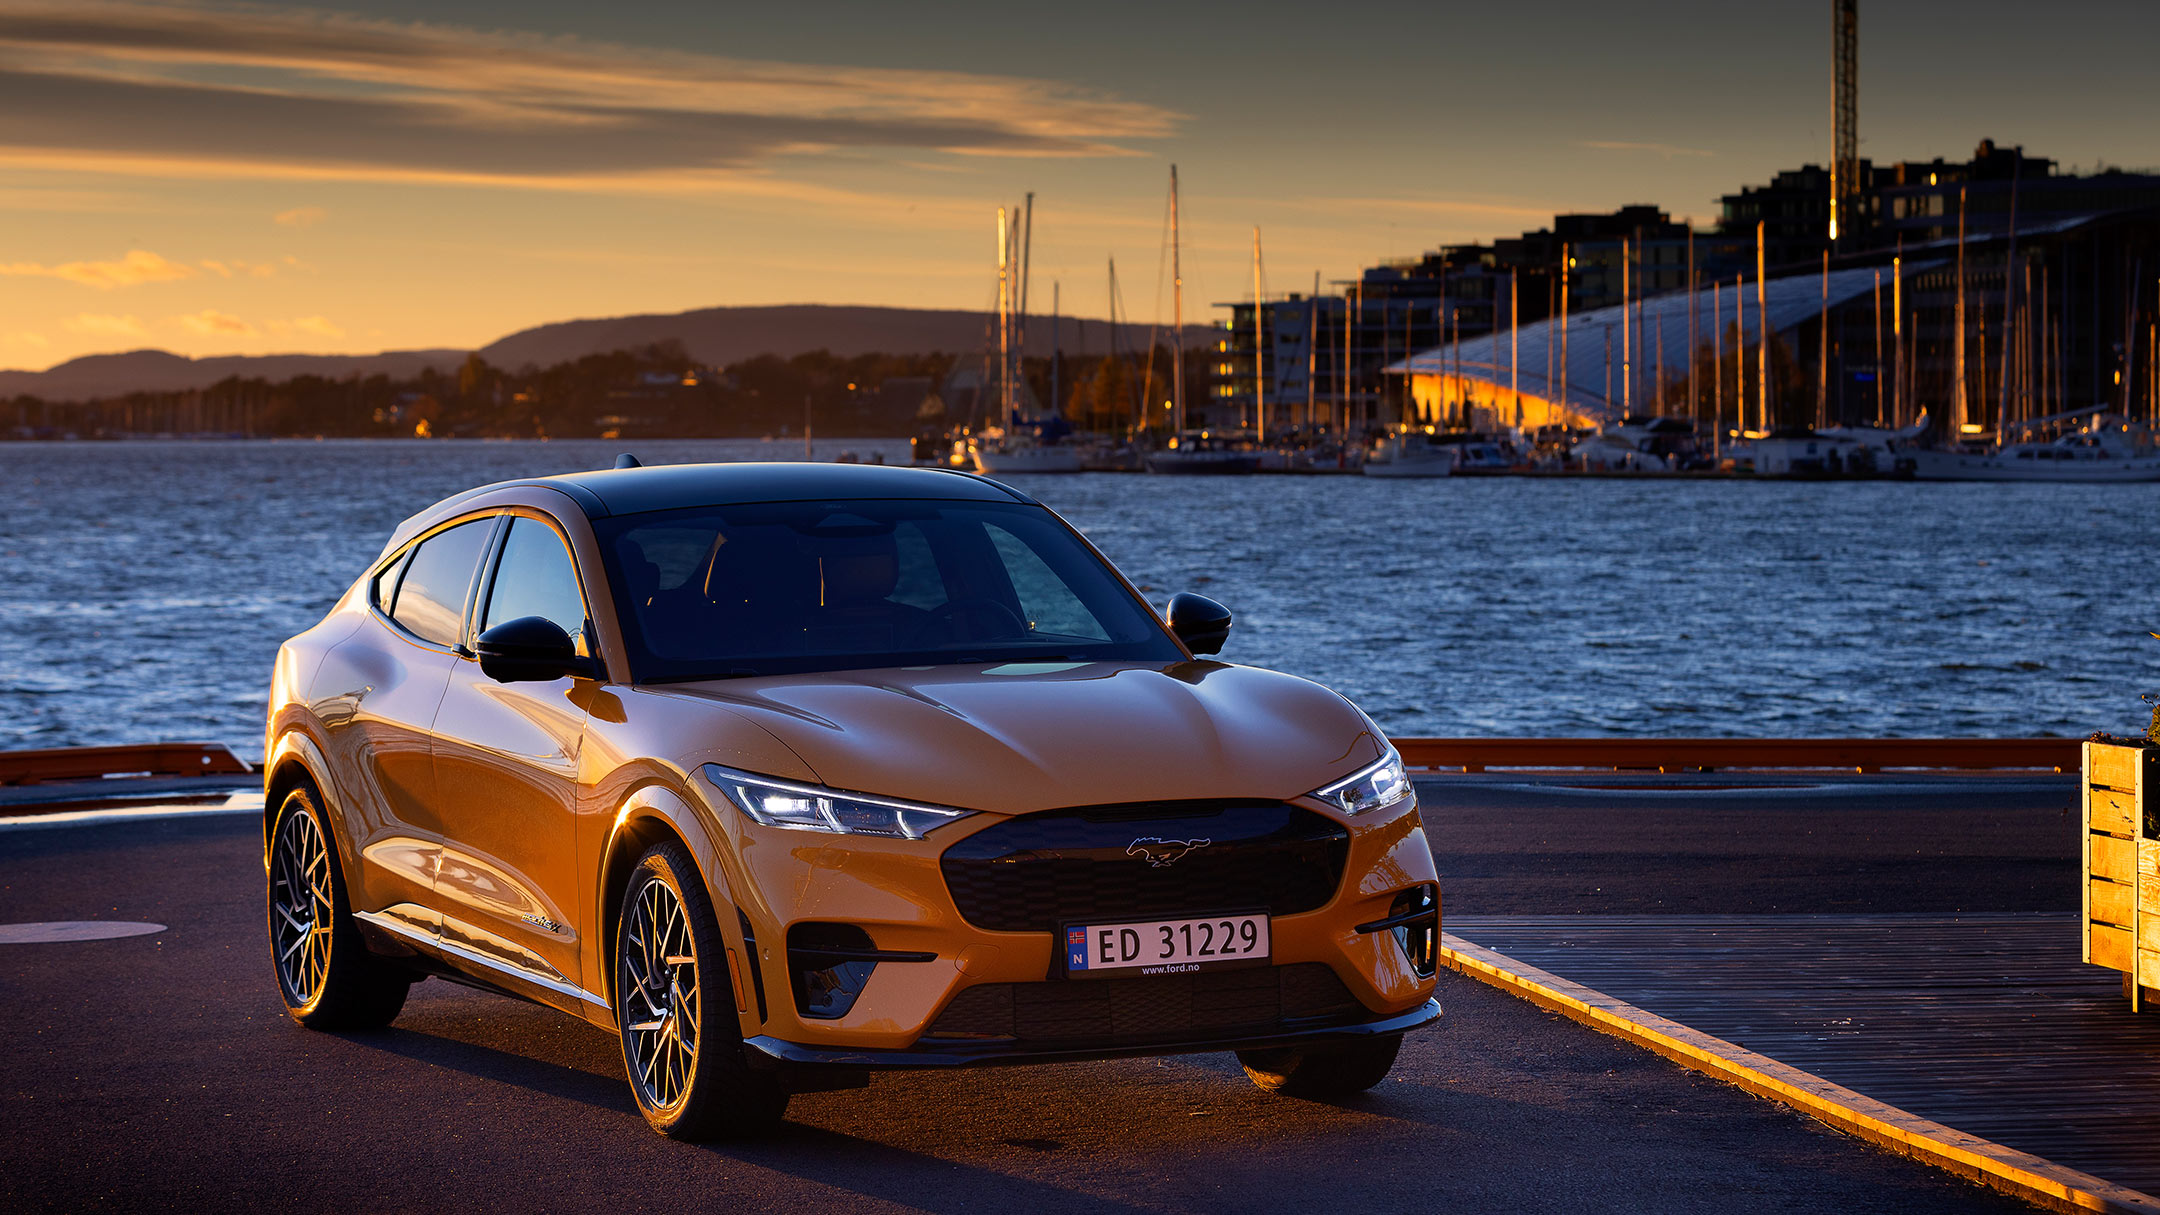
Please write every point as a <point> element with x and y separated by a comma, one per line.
<point>781,587</point>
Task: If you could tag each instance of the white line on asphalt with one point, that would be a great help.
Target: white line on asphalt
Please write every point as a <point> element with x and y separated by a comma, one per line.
<point>238,803</point>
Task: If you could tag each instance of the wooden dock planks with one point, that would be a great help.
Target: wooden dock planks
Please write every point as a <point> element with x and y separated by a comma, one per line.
<point>1985,1023</point>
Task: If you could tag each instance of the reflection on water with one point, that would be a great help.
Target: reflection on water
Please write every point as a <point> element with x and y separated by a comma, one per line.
<point>146,587</point>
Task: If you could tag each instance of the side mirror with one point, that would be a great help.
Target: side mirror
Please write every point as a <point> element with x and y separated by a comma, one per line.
<point>1200,622</point>
<point>529,649</point>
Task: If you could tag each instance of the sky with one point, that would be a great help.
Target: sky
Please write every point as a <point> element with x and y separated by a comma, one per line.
<point>217,178</point>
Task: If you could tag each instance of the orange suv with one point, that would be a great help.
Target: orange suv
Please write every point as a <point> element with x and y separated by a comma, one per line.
<point>787,773</point>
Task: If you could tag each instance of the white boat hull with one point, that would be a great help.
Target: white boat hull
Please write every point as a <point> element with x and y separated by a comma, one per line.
<point>1441,467</point>
<point>1991,466</point>
<point>1022,460</point>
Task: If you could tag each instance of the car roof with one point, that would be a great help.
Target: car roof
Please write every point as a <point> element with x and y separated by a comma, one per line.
<point>631,491</point>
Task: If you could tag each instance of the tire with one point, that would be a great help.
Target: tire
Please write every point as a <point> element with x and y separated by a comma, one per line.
<point>325,974</point>
<point>675,1009</point>
<point>1342,1070</point>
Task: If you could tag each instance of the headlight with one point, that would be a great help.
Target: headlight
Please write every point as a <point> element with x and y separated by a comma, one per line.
<point>778,803</point>
<point>1372,788</point>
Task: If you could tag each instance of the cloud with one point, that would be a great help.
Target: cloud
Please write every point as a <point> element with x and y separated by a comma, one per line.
<point>139,266</point>
<point>24,339</point>
<point>300,217</point>
<point>288,93</point>
<point>1666,150</point>
<point>313,326</point>
<point>230,269</point>
<point>91,324</point>
<point>212,323</point>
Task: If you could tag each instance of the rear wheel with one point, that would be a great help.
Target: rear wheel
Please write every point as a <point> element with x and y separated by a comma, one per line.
<point>328,978</point>
<point>1335,1070</point>
<point>681,1043</point>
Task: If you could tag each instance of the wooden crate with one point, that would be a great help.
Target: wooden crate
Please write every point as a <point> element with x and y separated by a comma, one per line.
<point>2122,865</point>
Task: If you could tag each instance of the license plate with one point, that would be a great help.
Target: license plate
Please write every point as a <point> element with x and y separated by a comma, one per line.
<point>1165,947</point>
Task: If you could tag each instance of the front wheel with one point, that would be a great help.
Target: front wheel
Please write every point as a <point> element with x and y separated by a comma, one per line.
<point>327,976</point>
<point>1340,1070</point>
<point>680,1041</point>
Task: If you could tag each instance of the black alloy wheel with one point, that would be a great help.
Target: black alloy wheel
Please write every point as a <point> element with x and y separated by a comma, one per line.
<point>1323,1072</point>
<point>325,973</point>
<point>682,1045</point>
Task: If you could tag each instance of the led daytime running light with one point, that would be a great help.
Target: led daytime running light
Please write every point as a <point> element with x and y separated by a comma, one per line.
<point>810,808</point>
<point>1374,787</point>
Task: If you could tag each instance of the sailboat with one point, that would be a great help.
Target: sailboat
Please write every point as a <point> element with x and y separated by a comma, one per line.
<point>2109,447</point>
<point>1190,452</point>
<point>1020,442</point>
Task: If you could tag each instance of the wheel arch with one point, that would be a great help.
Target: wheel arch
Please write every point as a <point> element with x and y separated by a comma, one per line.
<point>296,760</point>
<point>652,814</point>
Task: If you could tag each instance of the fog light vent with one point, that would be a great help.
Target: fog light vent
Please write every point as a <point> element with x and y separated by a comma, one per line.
<point>829,964</point>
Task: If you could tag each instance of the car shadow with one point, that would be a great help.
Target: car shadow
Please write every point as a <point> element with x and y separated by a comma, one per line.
<point>904,1178</point>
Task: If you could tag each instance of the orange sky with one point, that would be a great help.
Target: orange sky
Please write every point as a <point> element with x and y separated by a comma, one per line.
<point>213,178</point>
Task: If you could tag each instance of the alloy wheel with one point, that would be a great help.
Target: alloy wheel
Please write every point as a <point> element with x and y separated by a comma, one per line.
<point>659,986</point>
<point>301,907</point>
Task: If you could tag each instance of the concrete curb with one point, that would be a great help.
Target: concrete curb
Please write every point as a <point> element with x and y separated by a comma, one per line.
<point>1991,1164</point>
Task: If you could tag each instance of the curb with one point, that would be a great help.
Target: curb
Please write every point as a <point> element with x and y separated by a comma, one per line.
<point>1991,1164</point>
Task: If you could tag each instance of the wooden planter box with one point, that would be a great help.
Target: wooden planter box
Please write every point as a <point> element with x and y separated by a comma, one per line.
<point>2122,865</point>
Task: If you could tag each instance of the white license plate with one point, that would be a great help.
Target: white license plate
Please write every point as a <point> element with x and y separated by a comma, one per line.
<point>1165,947</point>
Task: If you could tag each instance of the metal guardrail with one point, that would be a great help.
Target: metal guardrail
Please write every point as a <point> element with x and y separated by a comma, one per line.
<point>1724,754</point>
<point>1429,754</point>
<point>98,763</point>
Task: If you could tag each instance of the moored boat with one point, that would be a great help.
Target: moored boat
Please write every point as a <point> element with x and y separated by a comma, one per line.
<point>1409,453</point>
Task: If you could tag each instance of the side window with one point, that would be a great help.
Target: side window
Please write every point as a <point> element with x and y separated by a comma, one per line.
<point>1049,605</point>
<point>430,600</point>
<point>384,593</point>
<point>535,578</point>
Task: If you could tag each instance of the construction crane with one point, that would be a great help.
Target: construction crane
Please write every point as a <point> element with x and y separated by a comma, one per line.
<point>1845,102</point>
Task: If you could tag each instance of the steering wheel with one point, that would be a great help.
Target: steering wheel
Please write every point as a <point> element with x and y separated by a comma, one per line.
<point>962,616</point>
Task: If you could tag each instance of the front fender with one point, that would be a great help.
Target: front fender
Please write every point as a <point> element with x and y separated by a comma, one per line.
<point>649,812</point>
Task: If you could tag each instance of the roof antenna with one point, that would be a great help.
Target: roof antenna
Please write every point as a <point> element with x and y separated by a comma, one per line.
<point>626,460</point>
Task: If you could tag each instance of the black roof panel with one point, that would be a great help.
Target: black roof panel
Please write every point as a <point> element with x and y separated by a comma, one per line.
<point>630,491</point>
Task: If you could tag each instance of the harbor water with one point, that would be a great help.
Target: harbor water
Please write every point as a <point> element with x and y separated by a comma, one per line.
<point>144,587</point>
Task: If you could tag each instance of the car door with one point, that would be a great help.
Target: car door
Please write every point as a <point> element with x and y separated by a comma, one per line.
<point>394,670</point>
<point>506,764</point>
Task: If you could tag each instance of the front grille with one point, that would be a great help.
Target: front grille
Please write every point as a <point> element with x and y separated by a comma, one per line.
<point>1039,872</point>
<point>1254,999</point>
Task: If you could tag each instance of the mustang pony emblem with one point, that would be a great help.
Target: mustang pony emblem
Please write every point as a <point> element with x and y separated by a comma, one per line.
<point>1160,853</point>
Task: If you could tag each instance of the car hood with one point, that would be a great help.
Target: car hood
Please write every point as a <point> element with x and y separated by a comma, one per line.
<point>1019,737</point>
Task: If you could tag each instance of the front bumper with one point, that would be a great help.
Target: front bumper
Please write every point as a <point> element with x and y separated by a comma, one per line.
<point>773,1053</point>
<point>895,894</point>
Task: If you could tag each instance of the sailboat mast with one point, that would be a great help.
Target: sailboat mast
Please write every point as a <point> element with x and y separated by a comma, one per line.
<point>1717,369</point>
<point>1514,361</point>
<point>1026,237</point>
<point>1627,332</point>
<point>2009,325</point>
<point>1822,351</point>
<point>1177,317</point>
<point>1762,328</point>
<point>1567,281</point>
<point>1878,349</point>
<point>1957,391</point>
<point>1694,400</point>
<point>1054,352</point>
<point>1259,369</point>
<point>1897,336</point>
<point>1004,321</point>
<point>1312,344</point>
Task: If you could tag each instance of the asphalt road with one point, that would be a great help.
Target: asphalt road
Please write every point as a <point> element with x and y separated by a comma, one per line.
<point>159,1072</point>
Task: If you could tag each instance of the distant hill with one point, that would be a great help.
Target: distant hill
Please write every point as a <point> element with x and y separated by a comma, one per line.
<point>711,335</point>
<point>111,375</point>
<point>728,335</point>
